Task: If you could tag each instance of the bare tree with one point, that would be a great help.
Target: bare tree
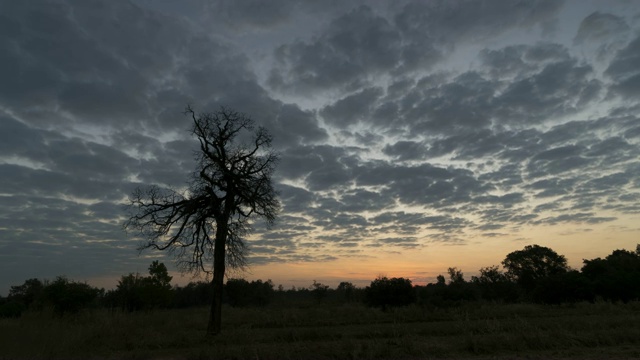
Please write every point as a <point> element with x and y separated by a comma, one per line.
<point>204,226</point>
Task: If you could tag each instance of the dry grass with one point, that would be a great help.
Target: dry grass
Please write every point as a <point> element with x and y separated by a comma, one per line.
<point>590,331</point>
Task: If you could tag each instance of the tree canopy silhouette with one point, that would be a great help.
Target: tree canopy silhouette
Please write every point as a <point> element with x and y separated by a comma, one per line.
<point>532,263</point>
<point>205,225</point>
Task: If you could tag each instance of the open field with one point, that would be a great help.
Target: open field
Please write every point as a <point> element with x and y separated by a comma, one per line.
<point>323,331</point>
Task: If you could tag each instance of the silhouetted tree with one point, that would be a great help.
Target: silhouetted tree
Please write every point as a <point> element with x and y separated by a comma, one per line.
<point>385,292</point>
<point>240,292</point>
<point>135,292</point>
<point>204,226</point>
<point>532,263</point>
<point>616,277</point>
<point>11,308</point>
<point>193,294</point>
<point>319,290</point>
<point>495,285</point>
<point>160,275</point>
<point>158,292</point>
<point>27,293</point>
<point>455,275</point>
<point>568,287</point>
<point>69,296</point>
<point>130,292</point>
<point>346,291</point>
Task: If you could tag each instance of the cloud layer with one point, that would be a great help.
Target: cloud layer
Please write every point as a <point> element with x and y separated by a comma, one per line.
<point>400,125</point>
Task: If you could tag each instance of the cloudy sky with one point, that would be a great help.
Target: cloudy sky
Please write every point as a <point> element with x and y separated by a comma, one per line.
<point>414,135</point>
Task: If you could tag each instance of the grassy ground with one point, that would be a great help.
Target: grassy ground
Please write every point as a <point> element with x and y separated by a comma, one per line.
<point>323,331</point>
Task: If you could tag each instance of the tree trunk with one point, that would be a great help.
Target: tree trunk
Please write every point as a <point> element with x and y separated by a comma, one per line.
<point>215,315</point>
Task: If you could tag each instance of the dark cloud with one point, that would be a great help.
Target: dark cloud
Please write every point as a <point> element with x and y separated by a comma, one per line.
<point>253,13</point>
<point>599,27</point>
<point>432,28</point>
<point>623,71</point>
<point>406,150</point>
<point>363,43</point>
<point>578,218</point>
<point>405,242</point>
<point>418,122</point>
<point>559,89</point>
<point>352,109</point>
<point>356,45</point>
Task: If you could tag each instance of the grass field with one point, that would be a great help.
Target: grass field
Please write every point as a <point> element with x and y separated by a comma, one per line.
<point>325,331</point>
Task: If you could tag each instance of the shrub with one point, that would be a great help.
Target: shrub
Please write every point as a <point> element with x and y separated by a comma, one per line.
<point>616,277</point>
<point>29,294</point>
<point>569,287</point>
<point>69,296</point>
<point>319,290</point>
<point>11,308</point>
<point>240,292</point>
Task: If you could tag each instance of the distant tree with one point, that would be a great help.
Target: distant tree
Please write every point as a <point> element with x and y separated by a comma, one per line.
<point>616,277</point>
<point>241,293</point>
<point>490,275</point>
<point>136,292</point>
<point>193,294</point>
<point>158,291</point>
<point>319,290</point>
<point>69,296</point>
<point>567,287</point>
<point>455,275</point>
<point>130,292</point>
<point>346,290</point>
<point>384,292</point>
<point>160,275</point>
<point>532,263</point>
<point>231,184</point>
<point>28,293</point>
<point>440,280</point>
<point>495,285</point>
<point>11,308</point>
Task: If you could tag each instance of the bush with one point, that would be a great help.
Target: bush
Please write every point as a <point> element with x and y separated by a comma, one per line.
<point>29,294</point>
<point>240,292</point>
<point>135,292</point>
<point>617,277</point>
<point>346,291</point>
<point>11,308</point>
<point>193,294</point>
<point>569,287</point>
<point>495,285</point>
<point>319,290</point>
<point>384,292</point>
<point>69,296</point>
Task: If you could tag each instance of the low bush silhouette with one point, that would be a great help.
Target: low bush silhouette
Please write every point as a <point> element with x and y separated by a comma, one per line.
<point>494,285</point>
<point>11,308</point>
<point>68,297</point>
<point>30,293</point>
<point>569,287</point>
<point>135,292</point>
<point>240,292</point>
<point>193,294</point>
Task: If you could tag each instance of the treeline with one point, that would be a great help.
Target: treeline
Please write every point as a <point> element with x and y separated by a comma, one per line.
<point>534,274</point>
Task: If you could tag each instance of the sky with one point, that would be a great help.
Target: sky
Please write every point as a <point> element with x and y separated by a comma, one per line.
<point>413,135</point>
